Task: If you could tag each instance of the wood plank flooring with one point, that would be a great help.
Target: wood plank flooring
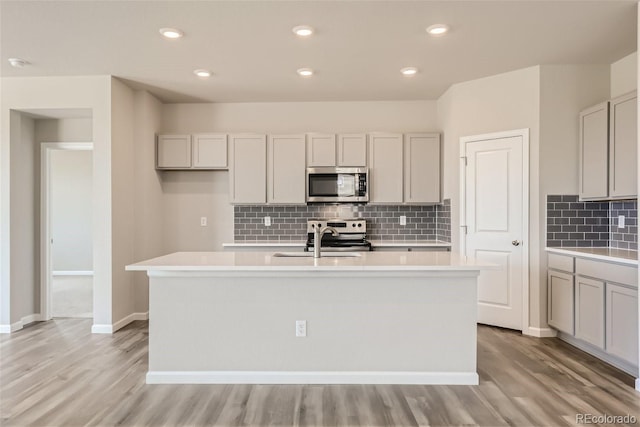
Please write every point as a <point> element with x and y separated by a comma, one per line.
<point>57,374</point>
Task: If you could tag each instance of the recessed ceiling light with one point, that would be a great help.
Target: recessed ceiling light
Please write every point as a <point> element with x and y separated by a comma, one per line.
<point>17,62</point>
<point>437,29</point>
<point>305,72</point>
<point>202,73</point>
<point>409,71</point>
<point>171,33</point>
<point>303,30</point>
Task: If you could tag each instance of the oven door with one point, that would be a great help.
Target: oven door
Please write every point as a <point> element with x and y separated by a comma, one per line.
<point>334,185</point>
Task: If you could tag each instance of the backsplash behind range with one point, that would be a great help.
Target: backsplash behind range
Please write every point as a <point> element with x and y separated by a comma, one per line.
<point>289,223</point>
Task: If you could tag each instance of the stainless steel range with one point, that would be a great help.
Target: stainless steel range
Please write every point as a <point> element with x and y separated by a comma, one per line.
<point>352,235</point>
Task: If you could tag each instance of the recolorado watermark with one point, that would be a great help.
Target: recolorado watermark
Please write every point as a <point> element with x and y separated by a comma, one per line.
<point>605,419</point>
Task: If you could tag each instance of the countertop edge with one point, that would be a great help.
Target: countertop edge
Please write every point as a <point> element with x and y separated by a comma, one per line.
<point>577,253</point>
<point>374,243</point>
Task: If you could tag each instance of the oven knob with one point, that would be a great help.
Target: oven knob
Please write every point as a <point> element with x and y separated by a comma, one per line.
<point>359,225</point>
<point>353,225</point>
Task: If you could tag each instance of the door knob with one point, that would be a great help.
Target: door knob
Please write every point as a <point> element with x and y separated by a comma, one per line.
<point>516,243</point>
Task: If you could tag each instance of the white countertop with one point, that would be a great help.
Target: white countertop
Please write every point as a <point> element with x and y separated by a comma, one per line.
<point>374,243</point>
<point>265,261</point>
<point>621,256</point>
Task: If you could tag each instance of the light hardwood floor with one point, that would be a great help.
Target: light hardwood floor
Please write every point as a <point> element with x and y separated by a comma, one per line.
<point>58,374</point>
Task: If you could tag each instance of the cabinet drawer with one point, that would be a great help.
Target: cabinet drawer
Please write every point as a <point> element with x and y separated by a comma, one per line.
<point>606,271</point>
<point>561,262</point>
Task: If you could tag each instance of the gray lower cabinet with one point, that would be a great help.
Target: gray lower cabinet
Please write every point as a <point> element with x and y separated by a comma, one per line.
<point>561,300</point>
<point>594,305</point>
<point>622,322</point>
<point>590,311</point>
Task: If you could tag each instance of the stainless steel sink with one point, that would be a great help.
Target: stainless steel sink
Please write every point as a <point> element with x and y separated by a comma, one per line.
<point>324,254</point>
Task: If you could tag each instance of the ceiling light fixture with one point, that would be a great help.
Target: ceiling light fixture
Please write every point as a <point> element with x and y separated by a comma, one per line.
<point>437,29</point>
<point>202,73</point>
<point>305,72</point>
<point>17,62</point>
<point>171,33</point>
<point>303,30</point>
<point>409,71</point>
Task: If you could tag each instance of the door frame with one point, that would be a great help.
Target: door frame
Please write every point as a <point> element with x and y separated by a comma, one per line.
<point>46,269</point>
<point>524,134</point>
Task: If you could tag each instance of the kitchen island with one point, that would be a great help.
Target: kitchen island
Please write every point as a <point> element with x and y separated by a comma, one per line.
<point>373,318</point>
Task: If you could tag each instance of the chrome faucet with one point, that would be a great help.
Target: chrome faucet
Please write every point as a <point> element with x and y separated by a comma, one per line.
<point>317,238</point>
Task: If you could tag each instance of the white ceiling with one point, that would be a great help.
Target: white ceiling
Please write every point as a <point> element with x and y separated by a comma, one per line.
<point>357,51</point>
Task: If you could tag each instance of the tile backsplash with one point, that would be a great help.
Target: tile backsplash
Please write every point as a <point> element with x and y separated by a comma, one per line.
<point>289,223</point>
<point>571,222</point>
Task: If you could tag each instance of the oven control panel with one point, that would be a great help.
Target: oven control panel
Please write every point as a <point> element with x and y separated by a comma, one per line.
<point>343,226</point>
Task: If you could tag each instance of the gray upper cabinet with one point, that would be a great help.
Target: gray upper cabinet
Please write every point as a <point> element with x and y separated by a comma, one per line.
<point>321,149</point>
<point>187,152</point>
<point>422,168</point>
<point>594,168</point>
<point>248,166</point>
<point>608,140</point>
<point>285,169</point>
<point>623,146</point>
<point>173,152</point>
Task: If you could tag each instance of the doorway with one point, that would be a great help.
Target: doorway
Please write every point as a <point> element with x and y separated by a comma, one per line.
<point>66,230</point>
<point>495,222</point>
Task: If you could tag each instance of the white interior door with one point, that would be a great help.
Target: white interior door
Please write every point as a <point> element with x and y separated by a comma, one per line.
<point>495,218</point>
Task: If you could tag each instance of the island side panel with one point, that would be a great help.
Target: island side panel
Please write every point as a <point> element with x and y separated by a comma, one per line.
<point>202,328</point>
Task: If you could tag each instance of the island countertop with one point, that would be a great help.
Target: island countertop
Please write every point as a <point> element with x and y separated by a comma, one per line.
<point>266,261</point>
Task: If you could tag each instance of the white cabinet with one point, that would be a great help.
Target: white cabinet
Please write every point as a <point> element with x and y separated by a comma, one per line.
<point>593,162</point>
<point>622,322</point>
<point>321,149</point>
<point>173,151</point>
<point>184,152</point>
<point>248,163</point>
<point>385,168</point>
<point>286,170</point>
<point>590,311</point>
<point>209,151</point>
<point>623,165</point>
<point>422,168</point>
<point>349,150</point>
<point>608,140</point>
<point>560,300</point>
<point>352,150</point>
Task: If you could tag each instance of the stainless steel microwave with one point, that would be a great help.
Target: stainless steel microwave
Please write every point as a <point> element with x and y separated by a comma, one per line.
<point>337,185</point>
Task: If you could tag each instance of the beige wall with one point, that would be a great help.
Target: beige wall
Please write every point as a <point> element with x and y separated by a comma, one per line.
<point>191,195</point>
<point>148,205</point>
<point>624,75</point>
<point>59,93</point>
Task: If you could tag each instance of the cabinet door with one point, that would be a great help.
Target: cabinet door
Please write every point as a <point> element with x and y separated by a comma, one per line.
<point>286,171</point>
<point>560,301</point>
<point>422,168</point>
<point>352,150</point>
<point>590,311</point>
<point>623,163</point>
<point>622,322</point>
<point>248,164</point>
<point>385,168</point>
<point>210,151</point>
<point>173,152</point>
<point>321,149</point>
<point>594,149</point>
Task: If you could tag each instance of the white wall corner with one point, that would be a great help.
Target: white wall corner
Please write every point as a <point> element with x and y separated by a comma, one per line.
<point>540,332</point>
<point>101,329</point>
<point>14,327</point>
<point>638,384</point>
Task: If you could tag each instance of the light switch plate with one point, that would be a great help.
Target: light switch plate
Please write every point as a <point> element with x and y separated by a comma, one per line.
<point>620,221</point>
<point>203,221</point>
<point>267,221</point>
<point>403,220</point>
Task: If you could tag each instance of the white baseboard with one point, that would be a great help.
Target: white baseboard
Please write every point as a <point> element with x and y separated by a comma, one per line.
<point>8,329</point>
<point>72,273</point>
<point>310,377</point>
<point>109,329</point>
<point>638,384</point>
<point>540,332</point>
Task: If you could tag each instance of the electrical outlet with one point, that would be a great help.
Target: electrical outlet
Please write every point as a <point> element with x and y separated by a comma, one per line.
<point>620,221</point>
<point>403,220</point>
<point>203,221</point>
<point>301,328</point>
<point>267,221</point>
